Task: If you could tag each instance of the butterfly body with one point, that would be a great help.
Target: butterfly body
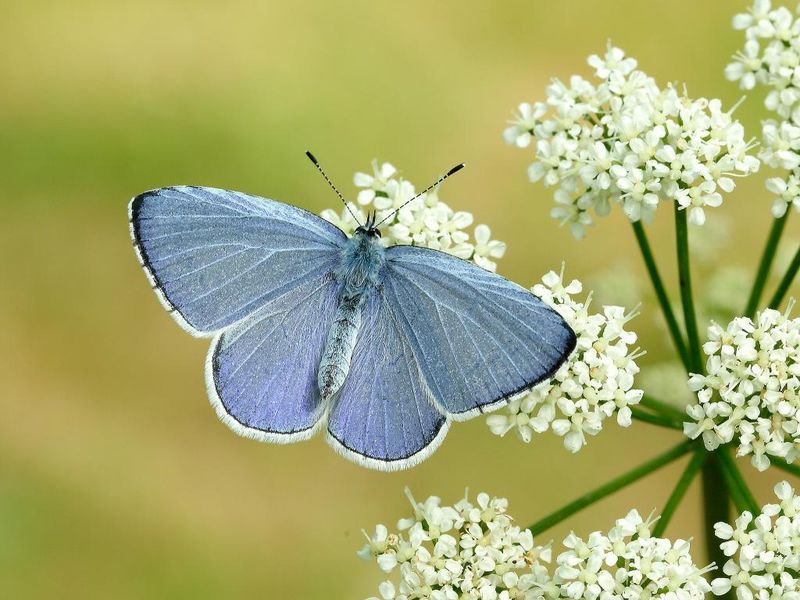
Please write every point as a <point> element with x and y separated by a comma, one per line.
<point>312,329</point>
<point>358,275</point>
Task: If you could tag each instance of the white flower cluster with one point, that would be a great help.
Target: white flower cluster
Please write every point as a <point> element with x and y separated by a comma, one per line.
<point>474,552</point>
<point>592,385</point>
<point>770,57</point>
<point>425,222</point>
<point>764,551</point>
<point>627,141</point>
<point>466,551</point>
<point>751,393</point>
<point>627,563</point>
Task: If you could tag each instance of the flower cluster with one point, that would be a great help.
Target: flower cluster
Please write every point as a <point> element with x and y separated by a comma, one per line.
<point>592,385</point>
<point>628,563</point>
<point>751,393</point>
<point>425,222</point>
<point>475,552</point>
<point>770,57</point>
<point>470,551</point>
<point>764,550</point>
<point>624,140</point>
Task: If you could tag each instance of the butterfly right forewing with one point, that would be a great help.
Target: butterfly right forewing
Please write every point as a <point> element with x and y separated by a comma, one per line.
<point>477,337</point>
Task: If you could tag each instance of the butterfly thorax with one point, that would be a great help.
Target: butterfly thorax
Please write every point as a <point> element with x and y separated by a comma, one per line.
<point>360,265</point>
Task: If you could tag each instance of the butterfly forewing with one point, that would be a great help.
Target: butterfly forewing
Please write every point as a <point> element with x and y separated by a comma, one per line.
<point>215,257</point>
<point>477,337</point>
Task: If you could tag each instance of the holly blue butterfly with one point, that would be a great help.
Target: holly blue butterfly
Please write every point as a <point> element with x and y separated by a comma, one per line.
<point>383,347</point>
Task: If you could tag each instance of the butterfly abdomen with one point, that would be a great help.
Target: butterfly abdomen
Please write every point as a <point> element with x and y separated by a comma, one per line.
<point>359,273</point>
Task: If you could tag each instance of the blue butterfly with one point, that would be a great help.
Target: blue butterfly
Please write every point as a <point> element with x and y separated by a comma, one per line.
<point>383,346</point>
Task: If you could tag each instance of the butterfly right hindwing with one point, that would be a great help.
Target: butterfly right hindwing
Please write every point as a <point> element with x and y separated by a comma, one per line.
<point>384,416</point>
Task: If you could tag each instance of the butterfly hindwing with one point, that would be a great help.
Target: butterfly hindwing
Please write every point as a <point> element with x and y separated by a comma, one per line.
<point>477,337</point>
<point>261,373</point>
<point>384,417</point>
<point>214,257</point>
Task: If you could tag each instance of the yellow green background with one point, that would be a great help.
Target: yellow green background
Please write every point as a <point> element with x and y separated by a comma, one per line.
<point>116,479</point>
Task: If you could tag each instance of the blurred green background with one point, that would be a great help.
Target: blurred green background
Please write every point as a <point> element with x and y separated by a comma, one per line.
<point>116,479</point>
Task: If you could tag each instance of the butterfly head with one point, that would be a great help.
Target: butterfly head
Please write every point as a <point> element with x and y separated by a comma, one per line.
<point>369,228</point>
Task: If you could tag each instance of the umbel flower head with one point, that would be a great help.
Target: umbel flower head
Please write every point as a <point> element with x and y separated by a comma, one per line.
<point>595,383</point>
<point>427,221</point>
<point>751,393</point>
<point>468,550</point>
<point>764,551</point>
<point>770,58</point>
<point>474,551</point>
<point>627,562</point>
<point>624,140</point>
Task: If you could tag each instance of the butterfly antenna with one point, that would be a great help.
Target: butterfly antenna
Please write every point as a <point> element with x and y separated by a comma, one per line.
<point>313,159</point>
<point>452,171</point>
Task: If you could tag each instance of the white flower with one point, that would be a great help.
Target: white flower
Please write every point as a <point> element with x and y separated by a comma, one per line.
<point>771,58</point>
<point>374,184</point>
<point>751,392</point>
<point>595,383</point>
<point>627,562</point>
<point>427,221</point>
<point>467,550</point>
<point>486,248</point>
<point>525,119</point>
<point>764,550</point>
<point>787,192</point>
<point>625,141</point>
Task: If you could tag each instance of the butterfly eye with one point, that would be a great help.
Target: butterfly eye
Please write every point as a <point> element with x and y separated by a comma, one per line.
<point>376,233</point>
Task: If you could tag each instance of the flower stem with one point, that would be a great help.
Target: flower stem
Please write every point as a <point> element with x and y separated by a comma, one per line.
<point>736,497</point>
<point>611,487</point>
<point>784,466</point>
<point>648,417</point>
<point>665,408</point>
<point>787,280</point>
<point>736,478</point>
<point>661,292</point>
<point>699,457</point>
<point>767,257</point>
<point>716,507</point>
<point>685,276</point>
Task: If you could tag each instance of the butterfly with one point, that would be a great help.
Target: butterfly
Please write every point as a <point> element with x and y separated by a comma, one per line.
<point>310,328</point>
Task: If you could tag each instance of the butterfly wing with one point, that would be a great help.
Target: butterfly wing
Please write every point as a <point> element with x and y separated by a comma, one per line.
<point>261,373</point>
<point>477,337</point>
<point>214,257</point>
<point>384,417</point>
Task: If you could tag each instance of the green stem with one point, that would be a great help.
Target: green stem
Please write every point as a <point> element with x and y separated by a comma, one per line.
<point>784,466</point>
<point>646,417</point>
<point>767,257</point>
<point>736,477</point>
<point>661,292</point>
<point>685,276</point>
<point>610,487</point>
<point>716,507</point>
<point>787,280</point>
<point>699,457</point>
<point>735,493</point>
<point>666,409</point>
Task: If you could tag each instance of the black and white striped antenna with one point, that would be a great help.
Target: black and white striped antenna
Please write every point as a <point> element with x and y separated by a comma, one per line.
<point>313,159</point>
<point>452,171</point>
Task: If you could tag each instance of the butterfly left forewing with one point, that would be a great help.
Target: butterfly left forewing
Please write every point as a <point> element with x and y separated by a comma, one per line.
<point>478,338</point>
<point>214,257</point>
